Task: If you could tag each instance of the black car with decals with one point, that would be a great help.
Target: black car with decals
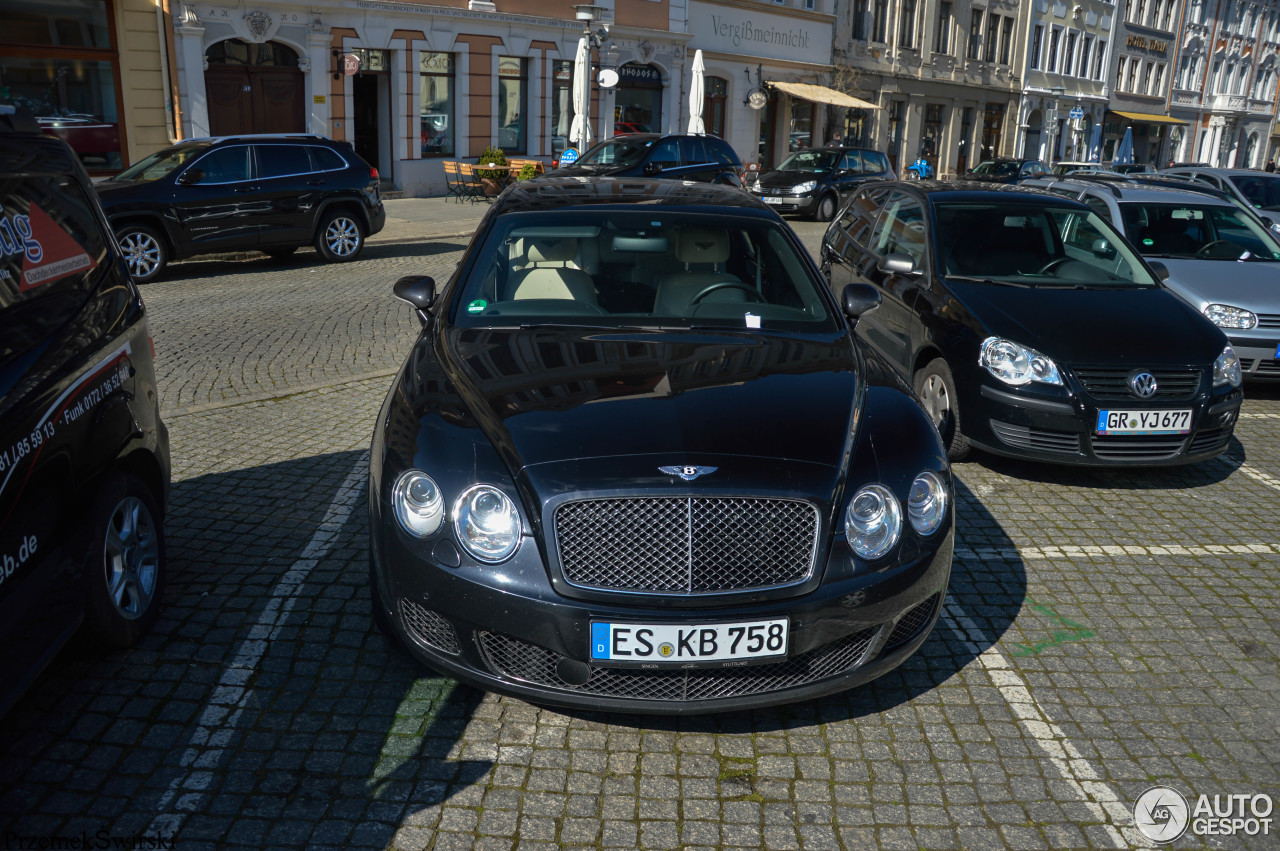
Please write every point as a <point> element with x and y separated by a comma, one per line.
<point>636,461</point>
<point>84,456</point>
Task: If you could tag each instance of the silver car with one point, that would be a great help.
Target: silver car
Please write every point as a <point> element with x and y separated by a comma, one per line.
<point>1259,189</point>
<point>1220,259</point>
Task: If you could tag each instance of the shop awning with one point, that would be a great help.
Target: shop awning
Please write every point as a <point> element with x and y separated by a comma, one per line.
<point>822,94</point>
<point>1148,117</point>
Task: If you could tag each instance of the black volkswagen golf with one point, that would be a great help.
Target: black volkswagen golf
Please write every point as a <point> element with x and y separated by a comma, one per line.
<point>1029,327</point>
<point>636,461</point>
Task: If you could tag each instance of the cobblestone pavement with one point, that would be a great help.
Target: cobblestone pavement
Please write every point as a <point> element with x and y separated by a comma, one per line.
<point>1105,632</point>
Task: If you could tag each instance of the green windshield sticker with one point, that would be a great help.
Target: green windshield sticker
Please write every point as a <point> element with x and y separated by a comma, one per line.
<point>477,306</point>
<point>1148,241</point>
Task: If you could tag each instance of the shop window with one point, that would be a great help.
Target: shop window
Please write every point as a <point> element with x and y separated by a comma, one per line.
<point>435,106</point>
<point>716,94</point>
<point>801,125</point>
<point>513,95</point>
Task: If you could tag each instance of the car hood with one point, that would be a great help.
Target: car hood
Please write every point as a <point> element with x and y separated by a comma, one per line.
<point>787,179</point>
<point>113,192</point>
<point>1253,285</point>
<point>575,170</point>
<point>1128,327</point>
<point>546,396</point>
<point>991,178</point>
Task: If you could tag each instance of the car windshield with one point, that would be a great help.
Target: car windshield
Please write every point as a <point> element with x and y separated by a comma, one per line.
<point>1199,231</point>
<point>619,152</point>
<point>810,161</point>
<point>1261,190</point>
<point>161,163</point>
<point>648,268</point>
<point>1034,245</point>
<point>1003,169</point>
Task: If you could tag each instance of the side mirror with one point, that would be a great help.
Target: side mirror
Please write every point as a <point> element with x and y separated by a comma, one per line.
<point>898,264</point>
<point>191,175</point>
<point>417,290</point>
<point>858,299</point>
<point>652,169</point>
<point>1102,248</point>
<point>1161,270</point>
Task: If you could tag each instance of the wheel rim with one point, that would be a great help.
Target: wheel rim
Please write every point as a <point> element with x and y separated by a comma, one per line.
<point>827,210</point>
<point>933,395</point>
<point>142,252</point>
<point>132,557</point>
<point>342,236</point>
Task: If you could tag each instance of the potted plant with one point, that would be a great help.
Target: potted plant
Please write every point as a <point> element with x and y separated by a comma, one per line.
<point>491,179</point>
<point>527,172</point>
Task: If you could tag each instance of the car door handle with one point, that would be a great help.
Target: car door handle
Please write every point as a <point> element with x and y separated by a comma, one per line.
<point>319,181</point>
<point>244,188</point>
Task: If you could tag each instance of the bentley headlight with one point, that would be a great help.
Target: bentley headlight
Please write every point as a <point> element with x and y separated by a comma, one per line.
<point>873,521</point>
<point>1015,364</point>
<point>487,523</point>
<point>418,504</point>
<point>1226,316</point>
<point>807,186</point>
<point>1226,369</point>
<point>927,503</point>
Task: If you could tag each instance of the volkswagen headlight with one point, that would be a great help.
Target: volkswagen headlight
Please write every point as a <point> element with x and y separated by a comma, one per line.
<point>927,503</point>
<point>873,521</point>
<point>1015,364</point>
<point>807,186</point>
<point>1226,369</point>
<point>1226,316</point>
<point>757,188</point>
<point>418,504</point>
<point>487,523</point>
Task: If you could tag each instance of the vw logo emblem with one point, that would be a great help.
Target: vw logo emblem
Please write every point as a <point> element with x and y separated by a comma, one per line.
<point>688,472</point>
<point>1143,384</point>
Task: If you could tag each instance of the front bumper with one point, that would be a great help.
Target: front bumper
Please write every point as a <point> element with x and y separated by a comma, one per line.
<point>791,204</point>
<point>1024,423</point>
<point>1259,359</point>
<point>504,628</point>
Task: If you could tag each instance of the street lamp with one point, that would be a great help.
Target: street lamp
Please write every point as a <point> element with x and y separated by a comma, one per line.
<point>589,13</point>
<point>1052,115</point>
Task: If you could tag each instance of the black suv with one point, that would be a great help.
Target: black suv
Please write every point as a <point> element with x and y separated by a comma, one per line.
<point>271,193</point>
<point>678,155</point>
<point>816,181</point>
<point>84,456</point>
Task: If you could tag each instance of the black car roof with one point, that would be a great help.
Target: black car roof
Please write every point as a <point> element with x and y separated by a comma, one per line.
<point>973,190</point>
<point>563,192</point>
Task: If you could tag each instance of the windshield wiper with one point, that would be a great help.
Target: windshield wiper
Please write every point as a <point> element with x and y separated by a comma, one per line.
<point>992,281</point>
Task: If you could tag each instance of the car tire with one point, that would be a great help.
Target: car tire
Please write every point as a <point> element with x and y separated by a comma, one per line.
<point>937,391</point>
<point>825,211</point>
<point>144,251</point>
<point>281,252</point>
<point>340,237</point>
<point>124,561</point>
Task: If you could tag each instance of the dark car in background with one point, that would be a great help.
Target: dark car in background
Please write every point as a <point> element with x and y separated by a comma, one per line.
<point>1007,170</point>
<point>560,508</point>
<point>271,193</point>
<point>84,456</point>
<point>678,156</point>
<point>1031,328</point>
<point>816,181</point>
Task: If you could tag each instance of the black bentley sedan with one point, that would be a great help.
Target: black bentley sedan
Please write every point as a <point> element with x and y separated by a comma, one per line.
<point>1029,327</point>
<point>635,461</point>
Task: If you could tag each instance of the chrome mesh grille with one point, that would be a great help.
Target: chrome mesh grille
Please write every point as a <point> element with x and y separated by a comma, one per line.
<point>518,660</point>
<point>1171,384</point>
<point>686,544</point>
<point>910,624</point>
<point>431,628</point>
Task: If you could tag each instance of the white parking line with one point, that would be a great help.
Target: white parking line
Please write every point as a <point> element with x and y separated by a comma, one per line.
<point>1260,416</point>
<point>1257,475</point>
<point>221,715</point>
<point>1114,815</point>
<point>1068,551</point>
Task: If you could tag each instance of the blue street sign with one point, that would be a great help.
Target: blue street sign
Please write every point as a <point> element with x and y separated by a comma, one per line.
<point>568,156</point>
<point>1077,112</point>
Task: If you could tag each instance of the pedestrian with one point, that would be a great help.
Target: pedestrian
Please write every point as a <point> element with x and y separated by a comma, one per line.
<point>1271,165</point>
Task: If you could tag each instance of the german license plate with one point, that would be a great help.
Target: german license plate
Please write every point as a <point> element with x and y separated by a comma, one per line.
<point>1277,351</point>
<point>771,200</point>
<point>676,644</point>
<point>1144,422</point>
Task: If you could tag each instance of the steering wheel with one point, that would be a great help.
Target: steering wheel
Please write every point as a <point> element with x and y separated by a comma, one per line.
<point>1053,264</point>
<point>725,285</point>
<point>1204,250</point>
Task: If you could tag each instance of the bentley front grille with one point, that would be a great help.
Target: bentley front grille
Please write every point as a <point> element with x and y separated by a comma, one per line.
<point>683,545</point>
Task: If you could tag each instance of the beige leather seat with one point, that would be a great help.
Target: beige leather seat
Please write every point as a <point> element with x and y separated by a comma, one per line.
<point>548,272</point>
<point>703,251</point>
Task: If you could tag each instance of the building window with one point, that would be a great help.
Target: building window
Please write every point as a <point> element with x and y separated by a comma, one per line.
<point>1147,78</point>
<point>880,26</point>
<point>931,135</point>
<point>942,39</point>
<point>861,20</point>
<point>907,24</point>
<point>1133,76</point>
<point>897,109</point>
<point>1069,53</point>
<point>993,34</point>
<point>975,34</point>
<point>513,95</point>
<point>1120,66</point>
<point>435,106</point>
<point>1054,35</point>
<point>715,96</point>
<point>1006,39</point>
<point>1084,57</point>
<point>1099,58</point>
<point>67,75</point>
<point>1159,86</point>
<point>1037,45</point>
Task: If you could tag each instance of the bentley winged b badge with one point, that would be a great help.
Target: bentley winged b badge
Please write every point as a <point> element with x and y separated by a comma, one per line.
<point>688,472</point>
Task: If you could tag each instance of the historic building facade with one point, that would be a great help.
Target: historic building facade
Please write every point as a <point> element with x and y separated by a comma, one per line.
<point>1142,71</point>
